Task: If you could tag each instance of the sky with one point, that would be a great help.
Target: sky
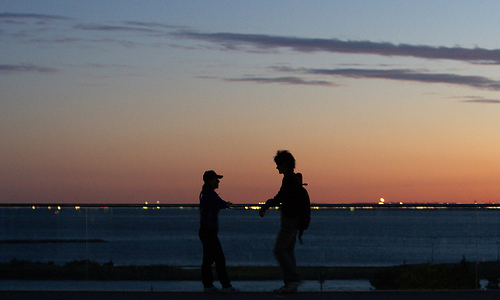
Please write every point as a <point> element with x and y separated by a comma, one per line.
<point>131,101</point>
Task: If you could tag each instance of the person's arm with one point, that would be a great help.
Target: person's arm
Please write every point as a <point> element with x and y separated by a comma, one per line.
<point>221,203</point>
<point>276,201</point>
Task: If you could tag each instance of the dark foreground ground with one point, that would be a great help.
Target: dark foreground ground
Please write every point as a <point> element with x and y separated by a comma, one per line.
<point>423,277</point>
<point>372,295</point>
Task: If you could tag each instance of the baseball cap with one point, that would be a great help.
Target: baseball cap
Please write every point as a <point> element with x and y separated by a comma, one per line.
<point>208,175</point>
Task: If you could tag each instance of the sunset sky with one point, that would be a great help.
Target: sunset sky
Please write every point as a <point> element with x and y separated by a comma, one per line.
<point>131,101</point>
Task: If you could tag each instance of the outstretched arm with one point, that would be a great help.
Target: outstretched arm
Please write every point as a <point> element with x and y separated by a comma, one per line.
<point>262,211</point>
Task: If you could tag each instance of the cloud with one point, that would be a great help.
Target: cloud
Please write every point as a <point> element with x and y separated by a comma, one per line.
<point>8,69</point>
<point>482,101</point>
<point>13,17</point>
<point>130,26</point>
<point>404,75</point>
<point>153,25</point>
<point>283,80</point>
<point>234,41</point>
<point>113,28</point>
<point>17,24</point>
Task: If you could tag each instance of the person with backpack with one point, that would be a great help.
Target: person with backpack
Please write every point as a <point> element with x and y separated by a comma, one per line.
<point>294,218</point>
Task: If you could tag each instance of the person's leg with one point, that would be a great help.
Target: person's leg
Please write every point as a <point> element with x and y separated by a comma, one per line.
<point>284,250</point>
<point>220,264</point>
<point>290,251</point>
<point>208,259</point>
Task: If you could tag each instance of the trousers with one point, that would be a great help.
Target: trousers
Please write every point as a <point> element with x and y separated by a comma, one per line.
<point>212,253</point>
<point>284,249</point>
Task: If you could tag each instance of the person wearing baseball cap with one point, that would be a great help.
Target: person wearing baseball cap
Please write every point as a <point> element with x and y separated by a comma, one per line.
<point>210,205</point>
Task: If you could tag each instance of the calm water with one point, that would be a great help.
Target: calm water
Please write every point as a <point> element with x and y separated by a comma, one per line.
<point>170,236</point>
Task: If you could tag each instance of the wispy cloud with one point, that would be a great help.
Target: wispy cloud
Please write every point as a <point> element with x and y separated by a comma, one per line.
<point>292,80</point>
<point>273,43</point>
<point>25,26</point>
<point>131,26</point>
<point>39,34</point>
<point>235,41</point>
<point>404,75</point>
<point>153,25</point>
<point>16,16</point>
<point>482,101</point>
<point>9,69</point>
<point>113,28</point>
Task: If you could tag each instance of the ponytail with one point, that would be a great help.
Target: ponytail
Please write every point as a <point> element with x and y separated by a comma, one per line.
<point>204,188</point>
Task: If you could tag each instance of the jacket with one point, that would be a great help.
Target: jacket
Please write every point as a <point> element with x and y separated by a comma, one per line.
<point>288,197</point>
<point>210,205</point>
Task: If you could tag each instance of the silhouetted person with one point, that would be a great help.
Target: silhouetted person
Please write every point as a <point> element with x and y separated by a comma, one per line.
<point>210,205</point>
<point>288,199</point>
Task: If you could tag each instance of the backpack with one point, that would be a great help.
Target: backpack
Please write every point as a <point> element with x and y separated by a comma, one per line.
<point>305,210</point>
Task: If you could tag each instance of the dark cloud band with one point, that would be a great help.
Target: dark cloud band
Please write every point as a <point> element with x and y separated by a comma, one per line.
<point>292,80</point>
<point>25,68</point>
<point>410,75</point>
<point>15,16</point>
<point>235,40</point>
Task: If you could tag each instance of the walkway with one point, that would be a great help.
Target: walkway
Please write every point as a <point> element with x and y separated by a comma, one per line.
<point>372,295</point>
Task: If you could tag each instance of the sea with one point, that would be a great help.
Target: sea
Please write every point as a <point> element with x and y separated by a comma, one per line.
<point>169,236</point>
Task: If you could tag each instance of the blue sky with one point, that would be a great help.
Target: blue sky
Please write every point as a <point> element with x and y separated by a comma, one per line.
<point>131,101</point>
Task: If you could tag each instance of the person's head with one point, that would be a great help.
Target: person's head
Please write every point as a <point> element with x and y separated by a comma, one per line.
<point>211,179</point>
<point>285,162</point>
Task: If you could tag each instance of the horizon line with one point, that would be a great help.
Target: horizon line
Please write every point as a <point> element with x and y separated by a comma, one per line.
<point>252,205</point>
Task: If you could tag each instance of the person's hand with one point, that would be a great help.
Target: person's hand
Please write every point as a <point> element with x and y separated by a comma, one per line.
<point>262,211</point>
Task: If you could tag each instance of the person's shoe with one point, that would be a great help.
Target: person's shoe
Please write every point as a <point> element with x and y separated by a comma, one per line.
<point>211,290</point>
<point>288,288</point>
<point>229,290</point>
